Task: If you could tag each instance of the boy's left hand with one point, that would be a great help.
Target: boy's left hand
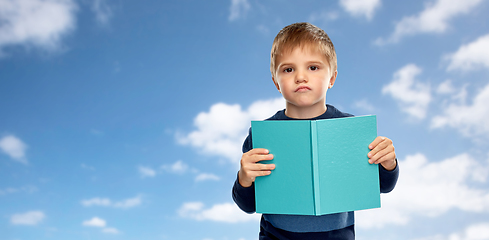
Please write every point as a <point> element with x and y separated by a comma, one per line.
<point>382,151</point>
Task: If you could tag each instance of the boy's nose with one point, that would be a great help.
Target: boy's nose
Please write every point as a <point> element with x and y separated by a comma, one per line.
<point>300,77</point>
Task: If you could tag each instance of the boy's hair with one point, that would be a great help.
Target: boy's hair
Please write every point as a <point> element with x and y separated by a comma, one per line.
<point>301,35</point>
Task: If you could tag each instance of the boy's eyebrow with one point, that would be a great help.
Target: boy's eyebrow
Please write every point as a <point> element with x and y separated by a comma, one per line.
<point>285,64</point>
<point>292,64</point>
<point>316,62</point>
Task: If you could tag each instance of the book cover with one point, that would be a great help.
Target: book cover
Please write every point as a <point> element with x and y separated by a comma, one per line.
<point>321,166</point>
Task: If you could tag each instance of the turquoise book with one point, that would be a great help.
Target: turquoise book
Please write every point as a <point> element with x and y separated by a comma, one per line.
<point>321,166</point>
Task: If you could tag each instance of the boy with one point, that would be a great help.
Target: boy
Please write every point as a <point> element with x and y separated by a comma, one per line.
<point>303,67</point>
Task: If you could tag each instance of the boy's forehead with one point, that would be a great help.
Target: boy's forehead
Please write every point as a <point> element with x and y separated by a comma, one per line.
<point>308,48</point>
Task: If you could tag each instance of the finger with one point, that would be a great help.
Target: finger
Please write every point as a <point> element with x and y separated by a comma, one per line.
<point>260,167</point>
<point>258,151</point>
<point>381,153</point>
<point>258,158</point>
<point>379,147</point>
<point>253,159</point>
<point>256,170</point>
<point>387,160</point>
<point>262,173</point>
<point>376,141</point>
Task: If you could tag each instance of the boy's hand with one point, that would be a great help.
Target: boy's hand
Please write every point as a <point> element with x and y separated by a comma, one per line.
<point>251,168</point>
<point>382,151</point>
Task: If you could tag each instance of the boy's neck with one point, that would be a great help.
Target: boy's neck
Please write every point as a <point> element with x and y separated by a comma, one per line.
<point>305,112</point>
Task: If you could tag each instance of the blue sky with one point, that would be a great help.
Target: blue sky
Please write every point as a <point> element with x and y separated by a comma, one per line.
<point>125,119</point>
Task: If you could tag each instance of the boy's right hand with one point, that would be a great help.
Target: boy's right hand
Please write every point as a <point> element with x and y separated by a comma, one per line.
<point>251,166</point>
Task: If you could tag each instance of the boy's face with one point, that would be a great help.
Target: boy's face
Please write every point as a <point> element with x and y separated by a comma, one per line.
<point>303,77</point>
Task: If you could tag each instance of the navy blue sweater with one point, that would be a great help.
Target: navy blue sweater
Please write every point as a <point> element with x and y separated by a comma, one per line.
<point>333,226</point>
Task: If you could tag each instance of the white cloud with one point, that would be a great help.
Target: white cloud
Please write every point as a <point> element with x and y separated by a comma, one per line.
<point>364,105</point>
<point>106,202</point>
<point>430,189</point>
<point>225,212</point>
<point>146,172</point>
<point>412,95</point>
<point>39,23</point>
<point>470,120</point>
<point>206,176</point>
<point>478,231</point>
<point>456,94</point>
<point>8,191</point>
<point>27,189</point>
<point>263,29</point>
<point>179,167</point>
<point>238,9</point>
<point>361,8</point>
<point>96,202</point>
<point>102,11</point>
<point>470,56</point>
<point>111,230</point>
<point>14,147</point>
<point>222,130</point>
<point>128,203</point>
<point>445,87</point>
<point>433,19</point>
<point>100,223</point>
<point>95,222</point>
<point>28,218</point>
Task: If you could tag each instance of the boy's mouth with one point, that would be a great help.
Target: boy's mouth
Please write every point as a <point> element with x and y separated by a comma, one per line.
<point>302,89</point>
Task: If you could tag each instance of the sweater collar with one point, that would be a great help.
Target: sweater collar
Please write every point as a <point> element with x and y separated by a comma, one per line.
<point>328,114</point>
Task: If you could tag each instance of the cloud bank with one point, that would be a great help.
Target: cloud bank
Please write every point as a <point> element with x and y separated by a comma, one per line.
<point>100,223</point>
<point>106,202</point>
<point>412,95</point>
<point>222,130</point>
<point>434,18</point>
<point>471,56</point>
<point>14,147</point>
<point>28,218</point>
<point>225,212</point>
<point>238,9</point>
<point>361,8</point>
<point>430,189</point>
<point>103,13</point>
<point>37,23</point>
<point>469,119</point>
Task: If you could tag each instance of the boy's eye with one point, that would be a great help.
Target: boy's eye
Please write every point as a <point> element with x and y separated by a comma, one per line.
<point>288,70</point>
<point>313,68</point>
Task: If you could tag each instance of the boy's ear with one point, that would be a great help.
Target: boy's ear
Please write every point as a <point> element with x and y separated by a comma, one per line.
<point>276,85</point>
<point>332,79</point>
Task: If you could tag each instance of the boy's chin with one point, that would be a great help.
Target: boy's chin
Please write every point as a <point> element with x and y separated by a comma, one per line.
<point>306,106</point>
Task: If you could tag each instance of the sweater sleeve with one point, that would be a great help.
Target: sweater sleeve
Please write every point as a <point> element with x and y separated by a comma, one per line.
<point>244,197</point>
<point>388,179</point>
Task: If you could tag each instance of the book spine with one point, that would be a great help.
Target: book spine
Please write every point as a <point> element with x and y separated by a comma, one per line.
<point>315,168</point>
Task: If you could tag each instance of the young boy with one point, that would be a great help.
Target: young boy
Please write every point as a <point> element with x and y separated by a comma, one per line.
<point>303,67</point>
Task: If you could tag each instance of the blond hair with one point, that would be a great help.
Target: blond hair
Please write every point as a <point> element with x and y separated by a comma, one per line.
<point>301,35</point>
